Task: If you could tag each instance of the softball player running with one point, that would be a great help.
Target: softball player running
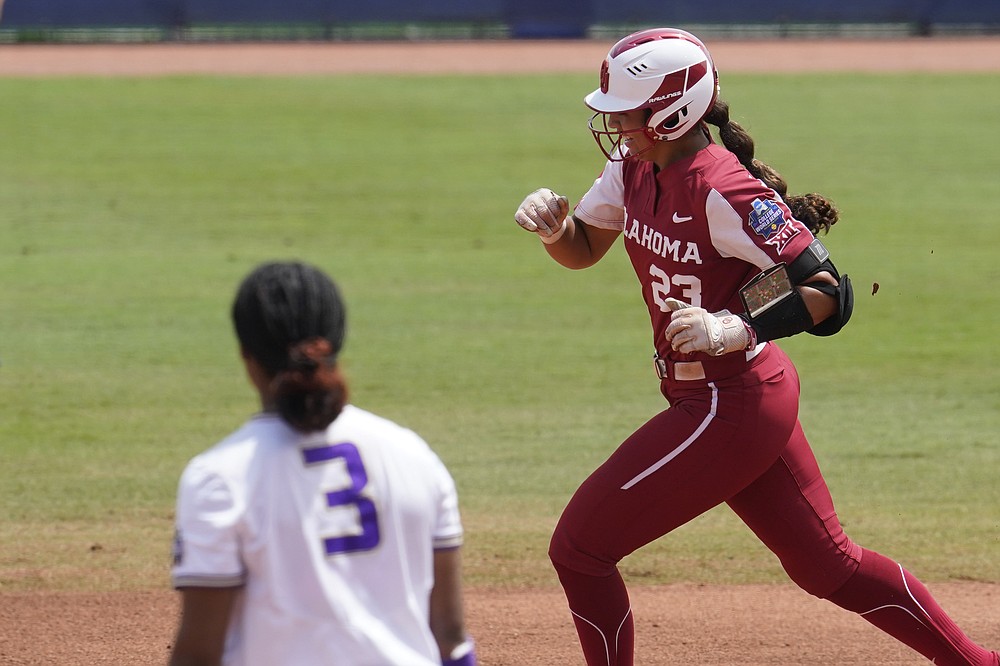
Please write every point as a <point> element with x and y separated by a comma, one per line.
<point>317,533</point>
<point>727,262</point>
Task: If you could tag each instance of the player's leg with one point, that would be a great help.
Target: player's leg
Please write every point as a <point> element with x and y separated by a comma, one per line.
<point>675,467</point>
<point>602,615</point>
<point>790,510</point>
<point>892,599</point>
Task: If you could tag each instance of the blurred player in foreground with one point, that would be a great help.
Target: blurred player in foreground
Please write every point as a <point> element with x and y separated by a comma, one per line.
<point>727,263</point>
<point>317,533</point>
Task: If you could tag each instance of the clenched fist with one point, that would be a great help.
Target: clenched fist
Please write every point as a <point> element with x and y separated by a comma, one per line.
<point>543,212</point>
<point>698,330</point>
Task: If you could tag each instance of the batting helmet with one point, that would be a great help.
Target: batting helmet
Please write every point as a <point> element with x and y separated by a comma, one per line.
<point>665,71</point>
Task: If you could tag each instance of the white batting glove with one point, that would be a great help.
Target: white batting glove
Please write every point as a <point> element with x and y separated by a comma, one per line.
<point>698,330</point>
<point>545,213</point>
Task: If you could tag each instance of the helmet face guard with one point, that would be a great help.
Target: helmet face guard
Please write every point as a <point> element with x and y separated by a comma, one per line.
<point>611,139</point>
<point>666,72</point>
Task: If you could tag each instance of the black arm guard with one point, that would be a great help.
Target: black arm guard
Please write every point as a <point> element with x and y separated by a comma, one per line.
<point>775,308</point>
<point>844,294</point>
<point>814,259</point>
<point>786,318</point>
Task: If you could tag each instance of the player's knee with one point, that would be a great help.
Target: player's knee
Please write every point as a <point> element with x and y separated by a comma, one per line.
<point>566,551</point>
<point>559,547</point>
<point>821,578</point>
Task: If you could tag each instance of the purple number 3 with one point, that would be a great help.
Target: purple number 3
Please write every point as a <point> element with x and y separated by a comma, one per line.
<point>369,536</point>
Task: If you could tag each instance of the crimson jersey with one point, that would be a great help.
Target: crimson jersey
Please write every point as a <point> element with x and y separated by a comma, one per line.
<point>696,231</point>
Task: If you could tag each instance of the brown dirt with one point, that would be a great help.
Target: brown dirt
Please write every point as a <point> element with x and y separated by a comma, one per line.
<point>675,624</point>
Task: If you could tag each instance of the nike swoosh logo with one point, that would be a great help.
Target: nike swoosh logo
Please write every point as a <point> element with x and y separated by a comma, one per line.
<point>678,219</point>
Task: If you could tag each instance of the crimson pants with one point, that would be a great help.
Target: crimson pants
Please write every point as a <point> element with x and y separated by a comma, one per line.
<point>736,441</point>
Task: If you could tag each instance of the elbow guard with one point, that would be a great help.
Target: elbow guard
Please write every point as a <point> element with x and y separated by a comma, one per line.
<point>775,308</point>
<point>814,259</point>
<point>844,294</point>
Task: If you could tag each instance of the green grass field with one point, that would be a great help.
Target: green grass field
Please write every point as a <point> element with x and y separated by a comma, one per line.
<point>132,207</point>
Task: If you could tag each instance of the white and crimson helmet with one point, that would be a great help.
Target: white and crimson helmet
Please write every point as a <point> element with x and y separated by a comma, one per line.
<point>667,72</point>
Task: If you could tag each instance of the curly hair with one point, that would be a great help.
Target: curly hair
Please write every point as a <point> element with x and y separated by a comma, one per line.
<point>814,210</point>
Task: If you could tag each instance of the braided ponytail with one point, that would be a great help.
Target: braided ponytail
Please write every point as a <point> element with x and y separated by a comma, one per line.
<point>814,210</point>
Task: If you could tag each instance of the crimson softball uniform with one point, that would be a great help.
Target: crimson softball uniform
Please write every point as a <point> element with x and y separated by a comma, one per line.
<point>331,535</point>
<point>697,231</point>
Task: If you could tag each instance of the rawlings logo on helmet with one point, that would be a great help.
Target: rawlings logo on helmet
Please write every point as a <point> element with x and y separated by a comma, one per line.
<point>663,97</point>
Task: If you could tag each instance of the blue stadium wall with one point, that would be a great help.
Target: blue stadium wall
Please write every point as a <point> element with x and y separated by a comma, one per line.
<point>523,18</point>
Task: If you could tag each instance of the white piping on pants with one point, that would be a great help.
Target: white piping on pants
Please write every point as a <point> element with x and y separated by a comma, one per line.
<point>607,653</point>
<point>902,574</point>
<point>684,445</point>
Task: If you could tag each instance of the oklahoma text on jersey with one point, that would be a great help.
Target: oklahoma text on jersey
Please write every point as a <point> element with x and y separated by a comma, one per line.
<point>657,243</point>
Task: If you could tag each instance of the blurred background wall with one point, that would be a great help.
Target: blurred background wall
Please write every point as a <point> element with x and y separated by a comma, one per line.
<point>192,20</point>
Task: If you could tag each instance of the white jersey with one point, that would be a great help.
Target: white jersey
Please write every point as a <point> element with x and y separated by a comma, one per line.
<point>330,534</point>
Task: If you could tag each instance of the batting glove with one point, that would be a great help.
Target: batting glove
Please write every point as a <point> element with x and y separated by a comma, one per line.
<point>545,213</point>
<point>698,330</point>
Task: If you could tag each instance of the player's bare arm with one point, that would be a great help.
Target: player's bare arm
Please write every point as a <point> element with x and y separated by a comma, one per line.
<point>201,637</point>
<point>567,240</point>
<point>821,305</point>
<point>446,615</point>
<point>582,245</point>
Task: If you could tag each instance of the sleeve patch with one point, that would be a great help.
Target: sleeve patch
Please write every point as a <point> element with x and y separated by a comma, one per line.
<point>766,218</point>
<point>780,239</point>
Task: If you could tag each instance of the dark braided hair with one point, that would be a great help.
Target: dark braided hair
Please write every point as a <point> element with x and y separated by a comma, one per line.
<point>814,210</point>
<point>290,318</point>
